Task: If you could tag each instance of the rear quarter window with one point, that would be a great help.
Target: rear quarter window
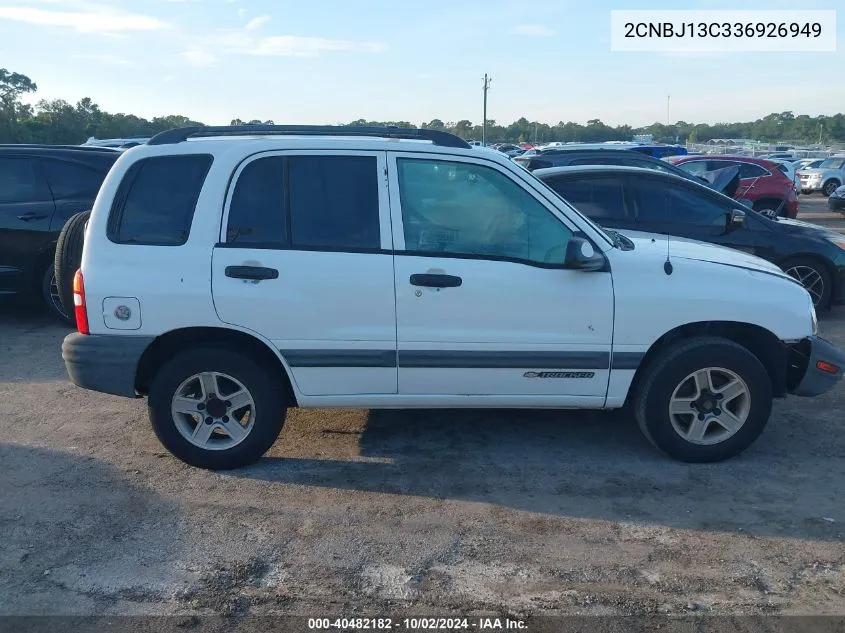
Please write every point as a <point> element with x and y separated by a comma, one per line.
<point>156,199</point>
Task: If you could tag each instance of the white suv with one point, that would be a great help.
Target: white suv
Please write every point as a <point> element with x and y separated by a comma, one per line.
<point>228,275</point>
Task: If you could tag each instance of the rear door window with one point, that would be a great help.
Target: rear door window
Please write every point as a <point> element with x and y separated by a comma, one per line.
<point>697,167</point>
<point>307,202</point>
<point>156,200</point>
<point>69,180</point>
<point>599,199</point>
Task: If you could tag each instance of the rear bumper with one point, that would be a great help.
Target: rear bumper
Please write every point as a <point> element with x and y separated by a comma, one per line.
<point>105,363</point>
<point>805,361</point>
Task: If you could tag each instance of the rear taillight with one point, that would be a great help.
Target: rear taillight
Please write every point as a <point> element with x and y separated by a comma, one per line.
<point>79,309</point>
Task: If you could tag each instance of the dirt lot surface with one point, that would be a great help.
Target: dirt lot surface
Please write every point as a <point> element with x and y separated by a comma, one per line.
<point>424,512</point>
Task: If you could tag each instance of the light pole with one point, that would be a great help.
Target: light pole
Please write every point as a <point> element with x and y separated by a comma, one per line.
<point>484,121</point>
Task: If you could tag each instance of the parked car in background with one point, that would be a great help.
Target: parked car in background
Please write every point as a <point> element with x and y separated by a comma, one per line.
<point>41,186</point>
<point>510,150</point>
<point>826,178</point>
<point>641,200</point>
<point>762,182</point>
<point>807,163</point>
<point>116,143</point>
<point>836,201</point>
<point>574,157</point>
<point>788,170</point>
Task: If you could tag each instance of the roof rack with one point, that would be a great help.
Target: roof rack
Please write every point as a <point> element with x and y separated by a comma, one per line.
<point>177,135</point>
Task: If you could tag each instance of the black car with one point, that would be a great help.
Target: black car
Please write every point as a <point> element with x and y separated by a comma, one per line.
<point>544,159</point>
<point>645,200</point>
<point>41,186</point>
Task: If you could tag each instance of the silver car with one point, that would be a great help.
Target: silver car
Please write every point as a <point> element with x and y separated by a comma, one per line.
<point>827,177</point>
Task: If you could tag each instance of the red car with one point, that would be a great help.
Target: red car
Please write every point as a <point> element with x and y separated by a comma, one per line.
<point>761,181</point>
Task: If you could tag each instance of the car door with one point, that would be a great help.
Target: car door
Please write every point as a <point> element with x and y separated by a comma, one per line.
<point>305,259</point>
<point>672,207</point>
<point>484,304</point>
<point>601,197</point>
<point>26,209</point>
<point>74,187</point>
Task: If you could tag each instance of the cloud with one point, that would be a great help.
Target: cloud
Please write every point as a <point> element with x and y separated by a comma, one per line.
<point>245,43</point>
<point>108,60</point>
<point>533,30</point>
<point>241,13</point>
<point>256,23</point>
<point>89,18</point>
<point>196,56</point>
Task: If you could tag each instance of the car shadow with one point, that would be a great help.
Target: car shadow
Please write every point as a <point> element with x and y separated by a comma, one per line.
<point>593,465</point>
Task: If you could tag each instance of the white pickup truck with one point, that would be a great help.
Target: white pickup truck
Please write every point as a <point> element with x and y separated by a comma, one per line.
<point>228,277</point>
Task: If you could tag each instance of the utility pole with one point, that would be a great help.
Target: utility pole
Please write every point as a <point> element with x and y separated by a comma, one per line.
<point>668,117</point>
<point>484,121</point>
<point>535,133</point>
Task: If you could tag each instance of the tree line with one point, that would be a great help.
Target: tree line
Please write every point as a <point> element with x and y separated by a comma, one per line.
<point>58,122</point>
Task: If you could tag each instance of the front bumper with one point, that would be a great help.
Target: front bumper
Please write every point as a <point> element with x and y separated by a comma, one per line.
<point>836,204</point>
<point>104,362</point>
<point>806,367</point>
<point>810,186</point>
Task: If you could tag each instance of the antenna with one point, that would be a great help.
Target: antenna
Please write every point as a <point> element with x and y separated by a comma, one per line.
<point>667,265</point>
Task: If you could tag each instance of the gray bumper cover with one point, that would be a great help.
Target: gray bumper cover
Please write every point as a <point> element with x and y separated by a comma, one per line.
<point>106,363</point>
<point>815,381</point>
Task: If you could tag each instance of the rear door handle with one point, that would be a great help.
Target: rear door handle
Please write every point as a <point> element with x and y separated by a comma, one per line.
<point>436,281</point>
<point>255,273</point>
<point>26,217</point>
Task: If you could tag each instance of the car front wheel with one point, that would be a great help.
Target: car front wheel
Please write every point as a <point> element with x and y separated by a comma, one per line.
<point>704,400</point>
<point>815,278</point>
<point>829,187</point>
<point>216,408</point>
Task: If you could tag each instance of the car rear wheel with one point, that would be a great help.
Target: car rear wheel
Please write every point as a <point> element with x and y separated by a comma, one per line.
<point>69,256</point>
<point>829,187</point>
<point>815,278</point>
<point>50,295</point>
<point>704,400</point>
<point>216,408</point>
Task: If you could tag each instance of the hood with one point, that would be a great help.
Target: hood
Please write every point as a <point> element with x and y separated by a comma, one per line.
<point>683,248</point>
<point>725,181</point>
<point>814,170</point>
<point>811,230</point>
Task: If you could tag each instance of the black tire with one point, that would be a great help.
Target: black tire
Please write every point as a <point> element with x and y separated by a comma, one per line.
<point>68,257</point>
<point>49,294</point>
<point>667,372</point>
<point>821,299</point>
<point>270,407</point>
<point>830,186</point>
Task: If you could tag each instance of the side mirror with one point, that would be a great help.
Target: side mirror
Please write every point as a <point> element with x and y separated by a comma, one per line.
<point>736,219</point>
<point>581,255</point>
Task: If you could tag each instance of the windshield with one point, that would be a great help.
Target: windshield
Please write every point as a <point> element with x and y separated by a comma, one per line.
<point>599,229</point>
<point>832,163</point>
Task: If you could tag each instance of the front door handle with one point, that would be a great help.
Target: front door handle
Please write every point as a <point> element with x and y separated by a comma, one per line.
<point>255,273</point>
<point>31,216</point>
<point>436,281</point>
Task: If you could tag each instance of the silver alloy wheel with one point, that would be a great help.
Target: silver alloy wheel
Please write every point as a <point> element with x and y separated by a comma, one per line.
<point>710,406</point>
<point>213,411</point>
<point>811,279</point>
<point>55,299</point>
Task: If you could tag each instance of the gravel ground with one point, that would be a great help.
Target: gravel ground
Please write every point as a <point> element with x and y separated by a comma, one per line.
<point>434,512</point>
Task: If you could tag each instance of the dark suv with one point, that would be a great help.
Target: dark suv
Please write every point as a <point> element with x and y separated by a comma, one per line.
<point>41,186</point>
<point>544,159</point>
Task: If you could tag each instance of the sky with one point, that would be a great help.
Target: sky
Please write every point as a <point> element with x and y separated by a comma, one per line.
<point>333,61</point>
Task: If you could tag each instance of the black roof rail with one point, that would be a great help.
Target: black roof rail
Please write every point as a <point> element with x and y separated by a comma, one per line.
<point>177,135</point>
<point>83,148</point>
